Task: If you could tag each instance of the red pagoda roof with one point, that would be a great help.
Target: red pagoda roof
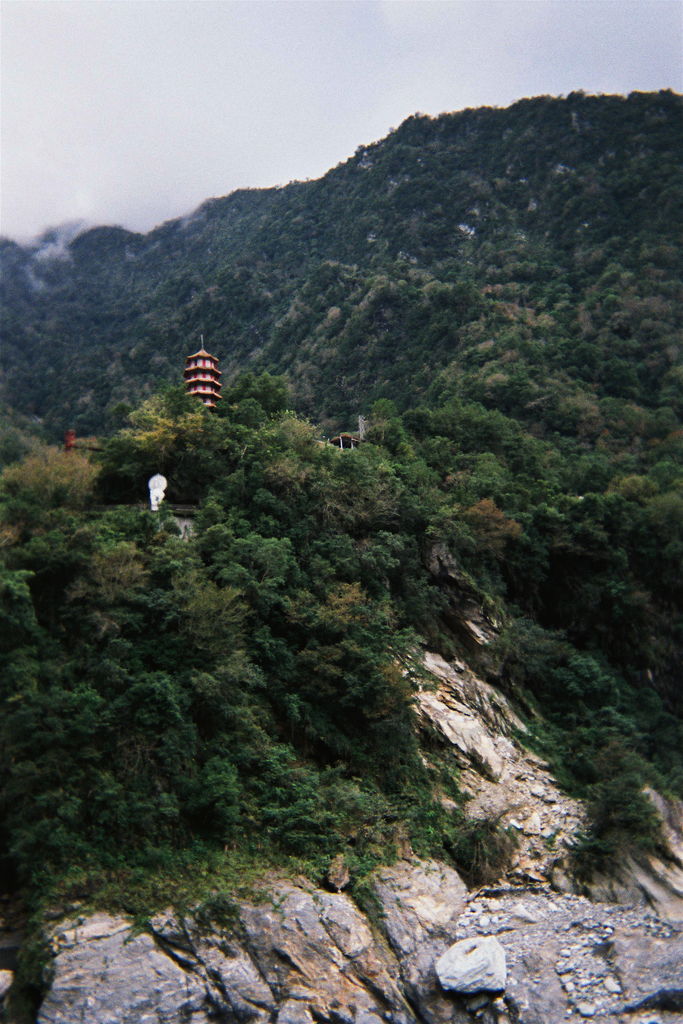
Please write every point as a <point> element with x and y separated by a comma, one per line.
<point>203,354</point>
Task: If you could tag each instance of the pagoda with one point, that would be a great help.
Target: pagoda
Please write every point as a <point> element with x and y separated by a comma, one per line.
<point>202,377</point>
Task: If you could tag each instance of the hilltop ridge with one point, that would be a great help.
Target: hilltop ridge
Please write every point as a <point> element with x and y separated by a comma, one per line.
<point>553,222</point>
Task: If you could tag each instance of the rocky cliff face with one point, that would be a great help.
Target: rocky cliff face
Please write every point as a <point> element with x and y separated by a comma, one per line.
<point>302,954</point>
<point>298,954</point>
<point>502,779</point>
<point>481,733</point>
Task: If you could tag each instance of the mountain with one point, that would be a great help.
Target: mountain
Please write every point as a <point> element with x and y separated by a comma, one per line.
<point>530,256</point>
<point>456,646</point>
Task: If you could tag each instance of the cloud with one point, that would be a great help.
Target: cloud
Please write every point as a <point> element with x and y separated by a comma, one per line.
<point>54,244</point>
<point>134,112</point>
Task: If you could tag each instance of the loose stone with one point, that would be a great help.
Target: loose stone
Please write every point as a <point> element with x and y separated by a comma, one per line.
<point>473,965</point>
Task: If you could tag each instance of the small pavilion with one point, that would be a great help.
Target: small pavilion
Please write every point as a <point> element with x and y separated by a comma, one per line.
<point>345,441</point>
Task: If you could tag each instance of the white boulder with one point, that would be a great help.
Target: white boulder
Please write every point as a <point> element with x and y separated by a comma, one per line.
<point>473,965</point>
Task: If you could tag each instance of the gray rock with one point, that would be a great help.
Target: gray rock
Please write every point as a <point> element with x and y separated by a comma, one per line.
<point>294,1011</point>
<point>303,955</point>
<point>317,946</point>
<point>520,913</point>
<point>104,973</point>
<point>421,903</point>
<point>473,965</point>
<point>651,969</point>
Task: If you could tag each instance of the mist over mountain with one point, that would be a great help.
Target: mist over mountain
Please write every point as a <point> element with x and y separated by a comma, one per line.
<point>528,254</point>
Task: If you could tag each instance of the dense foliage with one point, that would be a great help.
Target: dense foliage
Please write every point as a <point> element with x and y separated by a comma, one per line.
<point>249,688</point>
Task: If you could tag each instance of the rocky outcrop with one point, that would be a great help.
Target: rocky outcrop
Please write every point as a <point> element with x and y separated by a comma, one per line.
<point>104,971</point>
<point>568,957</point>
<point>479,731</point>
<point>12,923</point>
<point>421,903</point>
<point>655,880</point>
<point>6,979</point>
<point>463,615</point>
<point>482,735</point>
<point>299,955</point>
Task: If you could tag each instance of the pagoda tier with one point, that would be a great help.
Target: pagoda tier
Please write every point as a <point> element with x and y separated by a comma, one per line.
<point>202,377</point>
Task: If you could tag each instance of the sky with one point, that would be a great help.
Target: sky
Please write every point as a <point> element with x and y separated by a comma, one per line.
<point>133,112</point>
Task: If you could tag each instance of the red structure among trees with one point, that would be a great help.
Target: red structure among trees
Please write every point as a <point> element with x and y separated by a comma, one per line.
<point>202,377</point>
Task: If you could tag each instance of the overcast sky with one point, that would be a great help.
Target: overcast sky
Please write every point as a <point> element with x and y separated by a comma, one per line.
<point>134,111</point>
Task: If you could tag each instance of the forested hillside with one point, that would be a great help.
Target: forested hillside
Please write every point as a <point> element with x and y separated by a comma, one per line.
<point>498,292</point>
<point>529,256</point>
<point>252,686</point>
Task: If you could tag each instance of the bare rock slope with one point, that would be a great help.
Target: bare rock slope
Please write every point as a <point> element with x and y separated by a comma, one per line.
<point>302,955</point>
<point>480,731</point>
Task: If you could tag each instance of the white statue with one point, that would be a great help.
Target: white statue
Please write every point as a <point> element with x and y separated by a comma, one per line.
<point>157,487</point>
